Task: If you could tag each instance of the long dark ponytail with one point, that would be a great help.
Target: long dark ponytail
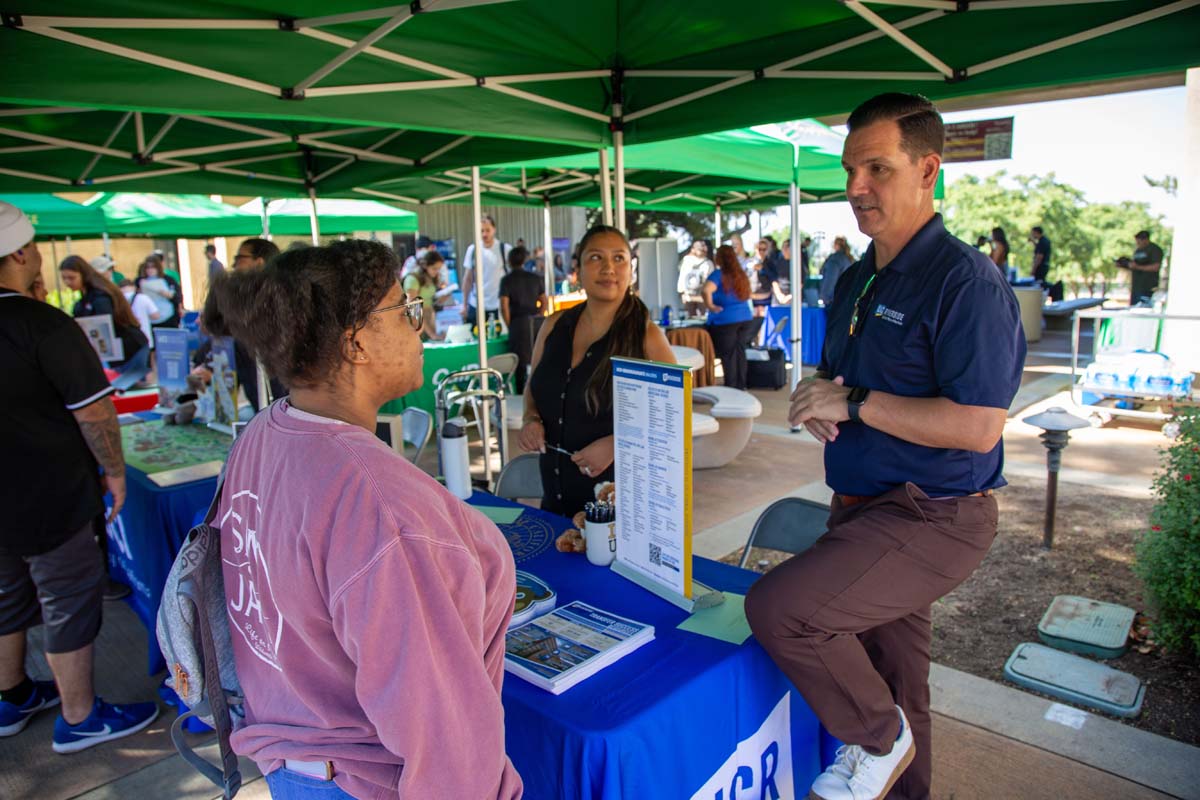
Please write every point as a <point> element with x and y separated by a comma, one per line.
<point>627,334</point>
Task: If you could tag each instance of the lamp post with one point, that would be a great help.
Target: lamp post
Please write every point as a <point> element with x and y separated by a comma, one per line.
<point>1056,425</point>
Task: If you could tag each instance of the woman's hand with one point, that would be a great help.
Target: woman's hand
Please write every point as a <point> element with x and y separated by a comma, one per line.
<point>715,309</point>
<point>533,437</point>
<point>595,458</point>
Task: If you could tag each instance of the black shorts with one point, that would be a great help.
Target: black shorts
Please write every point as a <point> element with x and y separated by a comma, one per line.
<point>69,583</point>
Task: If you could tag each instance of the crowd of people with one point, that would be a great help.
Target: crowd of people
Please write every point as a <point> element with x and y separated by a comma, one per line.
<point>1144,264</point>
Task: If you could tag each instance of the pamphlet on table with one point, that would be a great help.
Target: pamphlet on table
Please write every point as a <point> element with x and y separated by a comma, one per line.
<point>652,423</point>
<point>558,650</point>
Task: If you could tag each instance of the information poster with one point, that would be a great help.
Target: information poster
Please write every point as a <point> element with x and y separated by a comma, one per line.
<point>982,140</point>
<point>224,382</point>
<point>171,356</point>
<point>652,422</point>
<point>102,337</point>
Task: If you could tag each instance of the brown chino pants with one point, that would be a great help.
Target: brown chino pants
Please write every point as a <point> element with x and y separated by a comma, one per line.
<point>848,621</point>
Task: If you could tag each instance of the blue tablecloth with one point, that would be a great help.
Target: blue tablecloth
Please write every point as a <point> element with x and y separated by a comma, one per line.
<point>676,718</point>
<point>682,714</point>
<point>778,332</point>
<point>143,541</point>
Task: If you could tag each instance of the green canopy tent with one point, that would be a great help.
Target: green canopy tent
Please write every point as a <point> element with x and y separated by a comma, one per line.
<point>53,216</point>
<point>608,71</point>
<point>166,216</point>
<point>294,217</point>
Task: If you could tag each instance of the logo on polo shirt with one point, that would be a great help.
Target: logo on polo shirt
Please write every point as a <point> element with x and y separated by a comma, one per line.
<point>890,314</point>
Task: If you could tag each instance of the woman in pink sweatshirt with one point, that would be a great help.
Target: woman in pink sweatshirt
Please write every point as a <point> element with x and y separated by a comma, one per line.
<point>368,606</point>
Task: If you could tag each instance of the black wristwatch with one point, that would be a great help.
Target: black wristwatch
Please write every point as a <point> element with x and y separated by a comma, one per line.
<point>856,400</point>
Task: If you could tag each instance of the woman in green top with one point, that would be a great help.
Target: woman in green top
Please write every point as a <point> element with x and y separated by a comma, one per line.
<point>423,285</point>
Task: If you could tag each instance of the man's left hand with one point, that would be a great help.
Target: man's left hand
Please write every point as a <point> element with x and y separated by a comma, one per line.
<point>817,398</point>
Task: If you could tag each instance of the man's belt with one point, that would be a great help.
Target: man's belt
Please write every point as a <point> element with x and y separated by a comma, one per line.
<point>848,500</point>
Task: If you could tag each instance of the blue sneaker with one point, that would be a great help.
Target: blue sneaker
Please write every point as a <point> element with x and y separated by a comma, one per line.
<point>105,723</point>
<point>14,718</point>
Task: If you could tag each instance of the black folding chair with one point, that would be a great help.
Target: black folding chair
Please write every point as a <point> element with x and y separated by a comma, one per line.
<point>792,525</point>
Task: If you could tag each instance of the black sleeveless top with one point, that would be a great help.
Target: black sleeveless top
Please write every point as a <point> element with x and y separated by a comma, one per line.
<point>559,393</point>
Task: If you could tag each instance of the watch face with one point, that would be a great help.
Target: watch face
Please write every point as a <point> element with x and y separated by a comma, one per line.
<point>858,394</point>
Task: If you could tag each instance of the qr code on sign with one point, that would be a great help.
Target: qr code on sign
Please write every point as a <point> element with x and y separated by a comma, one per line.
<point>656,554</point>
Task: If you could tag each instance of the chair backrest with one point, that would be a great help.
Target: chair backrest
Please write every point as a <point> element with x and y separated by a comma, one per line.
<point>521,477</point>
<point>792,525</point>
<point>506,365</point>
<point>418,427</point>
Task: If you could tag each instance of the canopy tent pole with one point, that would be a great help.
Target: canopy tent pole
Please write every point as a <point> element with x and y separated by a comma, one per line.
<point>313,220</point>
<point>107,245</point>
<point>57,281</point>
<point>548,259</point>
<point>797,278</point>
<point>605,188</point>
<point>619,147</point>
<point>717,225</point>
<point>266,218</point>
<point>481,322</point>
<point>67,239</point>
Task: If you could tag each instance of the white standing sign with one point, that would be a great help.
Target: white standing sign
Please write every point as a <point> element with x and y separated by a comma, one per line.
<point>652,423</point>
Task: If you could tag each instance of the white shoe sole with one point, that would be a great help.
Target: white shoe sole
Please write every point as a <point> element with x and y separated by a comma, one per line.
<point>902,765</point>
<point>84,744</point>
<point>17,727</point>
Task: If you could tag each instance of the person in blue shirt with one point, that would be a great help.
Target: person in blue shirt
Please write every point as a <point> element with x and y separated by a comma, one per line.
<point>730,323</point>
<point>923,355</point>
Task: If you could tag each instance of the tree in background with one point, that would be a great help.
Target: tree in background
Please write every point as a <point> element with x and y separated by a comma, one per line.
<point>688,226</point>
<point>1086,236</point>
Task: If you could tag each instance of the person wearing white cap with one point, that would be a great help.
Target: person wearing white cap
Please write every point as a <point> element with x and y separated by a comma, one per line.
<point>108,268</point>
<point>58,427</point>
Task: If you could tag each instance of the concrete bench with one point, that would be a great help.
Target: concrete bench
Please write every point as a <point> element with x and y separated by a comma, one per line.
<point>734,411</point>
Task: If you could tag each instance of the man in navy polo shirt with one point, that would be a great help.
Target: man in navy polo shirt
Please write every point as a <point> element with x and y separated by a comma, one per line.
<point>922,358</point>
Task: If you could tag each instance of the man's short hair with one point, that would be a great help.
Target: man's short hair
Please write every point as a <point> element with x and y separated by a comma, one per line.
<point>1142,235</point>
<point>921,128</point>
<point>1037,229</point>
<point>424,241</point>
<point>210,248</point>
<point>261,248</point>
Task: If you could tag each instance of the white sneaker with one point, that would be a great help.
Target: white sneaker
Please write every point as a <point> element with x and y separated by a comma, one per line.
<point>857,775</point>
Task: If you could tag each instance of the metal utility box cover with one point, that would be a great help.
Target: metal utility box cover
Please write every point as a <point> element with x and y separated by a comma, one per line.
<point>1076,680</point>
<point>1081,625</point>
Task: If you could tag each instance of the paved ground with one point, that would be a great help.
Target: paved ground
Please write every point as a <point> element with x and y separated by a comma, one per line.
<point>991,742</point>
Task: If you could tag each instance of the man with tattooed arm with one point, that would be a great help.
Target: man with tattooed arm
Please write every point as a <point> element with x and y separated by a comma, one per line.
<point>58,429</point>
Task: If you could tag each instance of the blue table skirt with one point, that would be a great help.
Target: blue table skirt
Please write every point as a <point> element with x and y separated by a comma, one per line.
<point>778,331</point>
<point>143,541</point>
<point>666,720</point>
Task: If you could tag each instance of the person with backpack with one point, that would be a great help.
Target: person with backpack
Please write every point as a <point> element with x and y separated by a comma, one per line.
<point>101,297</point>
<point>59,428</point>
<point>694,269</point>
<point>495,266</point>
<point>366,605</point>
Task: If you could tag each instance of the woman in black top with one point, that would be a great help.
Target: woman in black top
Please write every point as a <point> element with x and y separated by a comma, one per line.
<point>100,297</point>
<point>568,400</point>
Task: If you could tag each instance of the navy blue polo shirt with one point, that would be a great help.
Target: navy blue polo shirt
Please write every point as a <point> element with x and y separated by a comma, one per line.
<point>938,321</point>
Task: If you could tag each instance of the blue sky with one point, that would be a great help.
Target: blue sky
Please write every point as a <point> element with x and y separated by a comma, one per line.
<point>1103,145</point>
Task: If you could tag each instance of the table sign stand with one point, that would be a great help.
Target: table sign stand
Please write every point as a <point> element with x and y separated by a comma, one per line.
<point>652,431</point>
<point>224,385</point>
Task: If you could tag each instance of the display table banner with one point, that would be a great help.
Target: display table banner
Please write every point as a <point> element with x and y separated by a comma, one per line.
<point>440,360</point>
<point>778,332</point>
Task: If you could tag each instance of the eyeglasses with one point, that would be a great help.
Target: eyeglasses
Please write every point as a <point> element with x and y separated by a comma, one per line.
<point>412,309</point>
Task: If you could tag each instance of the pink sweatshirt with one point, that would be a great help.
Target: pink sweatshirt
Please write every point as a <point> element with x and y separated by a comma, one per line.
<point>368,608</point>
